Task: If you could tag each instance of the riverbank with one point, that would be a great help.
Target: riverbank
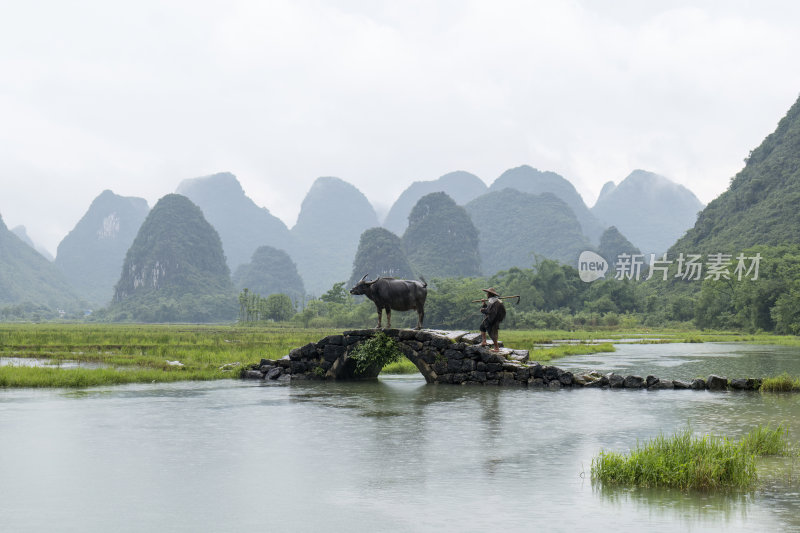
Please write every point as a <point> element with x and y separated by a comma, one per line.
<point>82,355</point>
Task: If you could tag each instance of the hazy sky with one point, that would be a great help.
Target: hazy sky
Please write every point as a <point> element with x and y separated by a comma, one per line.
<point>137,96</point>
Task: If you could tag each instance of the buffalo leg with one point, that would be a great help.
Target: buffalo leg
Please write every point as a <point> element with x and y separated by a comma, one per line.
<point>380,316</point>
<point>389,317</point>
<point>420,316</point>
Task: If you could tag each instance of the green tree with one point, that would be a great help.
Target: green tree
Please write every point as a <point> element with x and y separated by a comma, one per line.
<point>753,304</point>
<point>449,303</point>
<point>337,294</point>
<point>279,307</point>
<point>522,282</point>
<point>786,312</point>
<point>611,295</point>
<point>560,285</point>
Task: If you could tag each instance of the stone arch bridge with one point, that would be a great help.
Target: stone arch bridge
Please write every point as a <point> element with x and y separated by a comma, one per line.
<point>455,357</point>
<point>441,357</point>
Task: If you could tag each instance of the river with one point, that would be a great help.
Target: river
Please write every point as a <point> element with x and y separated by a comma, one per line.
<point>392,455</point>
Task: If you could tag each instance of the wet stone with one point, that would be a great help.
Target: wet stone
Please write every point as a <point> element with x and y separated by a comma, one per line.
<point>597,383</point>
<point>473,352</point>
<point>472,338</point>
<point>507,379</point>
<point>615,381</point>
<point>430,356</point>
<point>662,384</point>
<point>519,355</point>
<point>336,340</point>
<point>454,365</point>
<point>423,336</point>
<point>332,352</point>
<point>523,374</point>
<point>478,376</point>
<point>407,334</point>
<point>353,339</point>
<point>440,342</point>
<point>414,345</point>
<point>488,356</point>
<point>745,384</point>
<point>717,383</point>
<point>551,373</point>
<point>454,354</point>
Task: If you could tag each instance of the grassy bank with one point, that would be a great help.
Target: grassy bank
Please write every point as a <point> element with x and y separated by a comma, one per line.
<point>34,377</point>
<point>685,461</point>
<point>139,353</point>
<point>782,383</point>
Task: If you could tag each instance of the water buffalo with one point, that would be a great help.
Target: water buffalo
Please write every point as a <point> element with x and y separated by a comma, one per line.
<point>397,294</point>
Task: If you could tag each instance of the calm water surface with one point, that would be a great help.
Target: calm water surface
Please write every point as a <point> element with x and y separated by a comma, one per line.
<point>395,455</point>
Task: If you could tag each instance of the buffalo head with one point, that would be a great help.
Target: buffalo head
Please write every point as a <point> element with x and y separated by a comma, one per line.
<point>362,286</point>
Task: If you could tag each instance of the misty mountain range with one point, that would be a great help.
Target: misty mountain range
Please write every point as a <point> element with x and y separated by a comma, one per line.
<point>177,259</point>
<point>524,214</point>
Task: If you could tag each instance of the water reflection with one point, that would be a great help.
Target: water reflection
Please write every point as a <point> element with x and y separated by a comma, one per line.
<point>692,508</point>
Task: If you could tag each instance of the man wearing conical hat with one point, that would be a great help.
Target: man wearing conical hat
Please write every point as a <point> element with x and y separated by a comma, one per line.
<point>493,313</point>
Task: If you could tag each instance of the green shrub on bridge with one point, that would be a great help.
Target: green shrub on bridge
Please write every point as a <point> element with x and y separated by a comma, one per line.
<point>379,350</point>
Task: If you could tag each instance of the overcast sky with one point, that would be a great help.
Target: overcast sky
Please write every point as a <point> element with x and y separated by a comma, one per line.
<point>137,96</point>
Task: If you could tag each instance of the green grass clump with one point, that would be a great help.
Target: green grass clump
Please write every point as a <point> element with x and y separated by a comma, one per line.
<point>764,440</point>
<point>782,383</point>
<point>403,366</point>
<point>685,461</point>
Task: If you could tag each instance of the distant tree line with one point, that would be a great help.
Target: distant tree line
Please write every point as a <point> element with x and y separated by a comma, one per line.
<point>552,296</point>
